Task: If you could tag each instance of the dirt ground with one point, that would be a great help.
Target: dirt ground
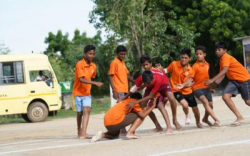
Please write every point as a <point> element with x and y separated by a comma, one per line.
<point>58,137</point>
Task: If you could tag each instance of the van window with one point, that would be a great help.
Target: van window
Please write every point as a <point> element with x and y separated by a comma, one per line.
<point>41,75</point>
<point>11,72</point>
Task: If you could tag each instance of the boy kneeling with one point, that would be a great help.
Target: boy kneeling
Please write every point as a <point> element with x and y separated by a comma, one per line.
<point>119,117</point>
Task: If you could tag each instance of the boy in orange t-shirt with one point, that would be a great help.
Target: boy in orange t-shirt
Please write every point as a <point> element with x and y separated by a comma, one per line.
<point>85,70</point>
<point>239,80</point>
<point>202,91</point>
<point>119,117</point>
<point>118,74</point>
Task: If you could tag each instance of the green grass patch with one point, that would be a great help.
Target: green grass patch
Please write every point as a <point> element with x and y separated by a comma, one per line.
<point>98,106</point>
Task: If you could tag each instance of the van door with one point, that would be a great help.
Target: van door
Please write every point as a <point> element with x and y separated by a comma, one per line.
<point>42,87</point>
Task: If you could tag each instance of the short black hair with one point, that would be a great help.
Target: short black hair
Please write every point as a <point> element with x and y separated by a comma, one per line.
<point>200,47</point>
<point>147,76</point>
<point>186,51</point>
<point>87,48</point>
<point>136,95</point>
<point>145,58</point>
<point>121,48</point>
<point>222,45</point>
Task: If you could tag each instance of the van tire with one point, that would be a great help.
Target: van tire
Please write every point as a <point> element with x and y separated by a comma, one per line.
<point>25,117</point>
<point>37,112</point>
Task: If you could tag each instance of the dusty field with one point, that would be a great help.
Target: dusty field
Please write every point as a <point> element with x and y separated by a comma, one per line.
<point>58,137</point>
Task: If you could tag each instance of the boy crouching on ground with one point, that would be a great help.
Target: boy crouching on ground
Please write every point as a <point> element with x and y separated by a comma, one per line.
<point>119,117</point>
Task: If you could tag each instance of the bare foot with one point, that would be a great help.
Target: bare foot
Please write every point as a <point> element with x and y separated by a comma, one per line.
<point>217,123</point>
<point>86,136</point>
<point>199,125</point>
<point>169,130</point>
<point>237,122</point>
<point>207,122</point>
<point>157,129</point>
<point>132,136</point>
<point>177,125</point>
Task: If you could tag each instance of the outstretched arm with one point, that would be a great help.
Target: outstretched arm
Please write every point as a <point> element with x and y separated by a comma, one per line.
<point>98,84</point>
<point>187,83</point>
<point>221,73</point>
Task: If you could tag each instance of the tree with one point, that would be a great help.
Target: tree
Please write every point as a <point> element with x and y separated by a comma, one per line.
<point>215,20</point>
<point>72,50</point>
<point>145,27</point>
<point>4,49</point>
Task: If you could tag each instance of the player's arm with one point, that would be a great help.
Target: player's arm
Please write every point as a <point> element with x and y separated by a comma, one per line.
<point>130,79</point>
<point>147,110</point>
<point>83,80</point>
<point>216,83</point>
<point>130,105</point>
<point>186,84</point>
<point>221,73</point>
<point>115,94</point>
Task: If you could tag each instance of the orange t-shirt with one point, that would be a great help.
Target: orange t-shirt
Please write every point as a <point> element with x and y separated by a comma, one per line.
<point>120,75</point>
<point>236,71</point>
<point>87,71</point>
<point>117,113</point>
<point>201,73</point>
<point>179,76</point>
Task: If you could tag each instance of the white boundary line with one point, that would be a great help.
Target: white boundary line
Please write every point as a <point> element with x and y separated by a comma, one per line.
<point>204,147</point>
<point>52,147</point>
<point>87,143</point>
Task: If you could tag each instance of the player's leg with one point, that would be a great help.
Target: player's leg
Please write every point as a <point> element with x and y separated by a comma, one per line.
<point>192,103</point>
<point>161,107</point>
<point>180,98</point>
<point>230,91</point>
<point>86,113</point>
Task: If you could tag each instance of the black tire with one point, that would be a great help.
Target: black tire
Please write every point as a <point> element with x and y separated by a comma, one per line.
<point>37,112</point>
<point>25,117</point>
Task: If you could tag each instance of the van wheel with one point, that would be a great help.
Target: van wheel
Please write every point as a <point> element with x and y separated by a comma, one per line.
<point>25,117</point>
<point>37,112</point>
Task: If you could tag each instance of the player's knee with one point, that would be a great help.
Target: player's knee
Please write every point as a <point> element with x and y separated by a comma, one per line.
<point>247,102</point>
<point>79,114</point>
<point>225,97</point>
<point>87,110</point>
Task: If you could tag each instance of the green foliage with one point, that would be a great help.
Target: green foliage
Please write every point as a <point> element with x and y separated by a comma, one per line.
<point>160,29</point>
<point>4,49</point>
<point>144,25</point>
<point>215,20</point>
<point>64,57</point>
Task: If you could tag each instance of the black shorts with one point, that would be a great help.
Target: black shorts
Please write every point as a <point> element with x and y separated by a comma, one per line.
<point>203,91</point>
<point>234,87</point>
<point>189,98</point>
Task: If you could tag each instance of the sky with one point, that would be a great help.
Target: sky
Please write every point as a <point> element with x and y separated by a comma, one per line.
<point>24,24</point>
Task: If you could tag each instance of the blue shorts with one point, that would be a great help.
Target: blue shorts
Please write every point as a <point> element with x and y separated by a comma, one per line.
<point>82,101</point>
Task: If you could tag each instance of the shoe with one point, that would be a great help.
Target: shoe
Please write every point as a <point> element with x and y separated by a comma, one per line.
<point>188,119</point>
<point>97,137</point>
